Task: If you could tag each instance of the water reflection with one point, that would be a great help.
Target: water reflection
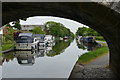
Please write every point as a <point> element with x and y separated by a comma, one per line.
<point>7,57</point>
<point>40,53</point>
<point>27,58</point>
<point>46,63</point>
<point>58,48</point>
<point>88,46</point>
<point>1,58</point>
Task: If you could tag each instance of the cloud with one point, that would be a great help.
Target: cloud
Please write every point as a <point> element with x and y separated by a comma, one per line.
<point>40,20</point>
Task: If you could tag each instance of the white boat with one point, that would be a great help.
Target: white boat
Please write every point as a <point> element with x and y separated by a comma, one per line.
<point>49,39</point>
<point>26,41</point>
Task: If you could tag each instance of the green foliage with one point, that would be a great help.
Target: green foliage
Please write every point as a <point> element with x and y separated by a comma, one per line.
<point>8,57</point>
<point>92,55</point>
<point>100,38</point>
<point>59,47</point>
<point>6,46</point>
<point>84,31</point>
<point>7,39</point>
<point>37,30</point>
<point>1,54</point>
<point>11,32</point>
<point>17,24</point>
<point>72,35</point>
<point>8,25</point>
<point>57,29</point>
<point>7,42</point>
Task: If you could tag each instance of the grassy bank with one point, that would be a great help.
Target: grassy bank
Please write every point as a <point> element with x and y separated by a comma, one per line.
<point>1,54</point>
<point>87,57</point>
<point>101,40</point>
<point>6,47</point>
<point>7,42</point>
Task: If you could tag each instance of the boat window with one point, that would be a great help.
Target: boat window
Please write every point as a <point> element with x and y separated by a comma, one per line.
<point>24,39</point>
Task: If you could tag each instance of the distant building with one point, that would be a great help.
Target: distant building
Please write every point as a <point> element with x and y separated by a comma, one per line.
<point>29,27</point>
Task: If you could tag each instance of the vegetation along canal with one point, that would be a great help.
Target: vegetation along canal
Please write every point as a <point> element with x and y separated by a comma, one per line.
<point>53,56</point>
<point>53,62</point>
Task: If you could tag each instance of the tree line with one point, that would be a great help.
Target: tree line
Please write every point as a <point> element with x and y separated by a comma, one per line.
<point>84,31</point>
<point>51,28</point>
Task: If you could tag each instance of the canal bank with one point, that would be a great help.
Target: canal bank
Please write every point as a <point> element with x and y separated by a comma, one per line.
<point>55,62</point>
<point>5,51</point>
<point>95,68</point>
<point>90,72</point>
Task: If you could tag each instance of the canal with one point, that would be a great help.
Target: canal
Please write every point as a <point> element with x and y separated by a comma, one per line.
<point>55,61</point>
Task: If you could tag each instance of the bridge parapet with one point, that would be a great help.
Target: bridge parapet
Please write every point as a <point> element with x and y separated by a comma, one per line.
<point>113,4</point>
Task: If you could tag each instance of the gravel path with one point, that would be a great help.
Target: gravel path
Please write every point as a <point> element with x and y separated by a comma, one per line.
<point>81,71</point>
<point>101,61</point>
<point>94,69</point>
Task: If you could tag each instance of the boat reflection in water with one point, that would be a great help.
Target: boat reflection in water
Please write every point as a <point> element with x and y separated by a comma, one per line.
<point>51,62</point>
<point>88,46</point>
<point>27,58</point>
<point>40,53</point>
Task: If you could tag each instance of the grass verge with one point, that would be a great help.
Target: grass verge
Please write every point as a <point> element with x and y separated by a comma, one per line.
<point>87,57</point>
<point>6,47</point>
<point>101,40</point>
<point>1,54</point>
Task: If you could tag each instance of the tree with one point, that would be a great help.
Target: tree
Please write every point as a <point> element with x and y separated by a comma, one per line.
<point>57,29</point>
<point>17,24</point>
<point>37,30</point>
<point>84,31</point>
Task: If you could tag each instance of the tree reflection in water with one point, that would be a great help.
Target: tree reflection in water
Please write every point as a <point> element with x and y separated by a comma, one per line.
<point>7,57</point>
<point>59,47</point>
<point>28,57</point>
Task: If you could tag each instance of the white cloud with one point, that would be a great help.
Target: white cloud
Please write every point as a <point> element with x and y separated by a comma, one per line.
<point>38,20</point>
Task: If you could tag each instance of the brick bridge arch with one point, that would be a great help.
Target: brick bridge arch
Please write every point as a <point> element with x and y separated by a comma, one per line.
<point>101,18</point>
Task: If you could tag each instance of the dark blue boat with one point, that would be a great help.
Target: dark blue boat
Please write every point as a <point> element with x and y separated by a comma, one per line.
<point>88,40</point>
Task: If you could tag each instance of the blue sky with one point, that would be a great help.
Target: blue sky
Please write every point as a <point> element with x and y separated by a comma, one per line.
<point>40,20</point>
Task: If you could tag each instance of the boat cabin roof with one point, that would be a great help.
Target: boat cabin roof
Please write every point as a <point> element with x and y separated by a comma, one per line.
<point>39,35</point>
<point>26,34</point>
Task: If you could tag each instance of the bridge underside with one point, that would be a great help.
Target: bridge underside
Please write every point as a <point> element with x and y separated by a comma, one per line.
<point>102,19</point>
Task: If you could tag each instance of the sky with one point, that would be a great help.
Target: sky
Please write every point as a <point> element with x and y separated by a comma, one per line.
<point>41,20</point>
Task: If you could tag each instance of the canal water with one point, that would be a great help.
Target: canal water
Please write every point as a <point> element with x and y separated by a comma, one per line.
<point>55,61</point>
